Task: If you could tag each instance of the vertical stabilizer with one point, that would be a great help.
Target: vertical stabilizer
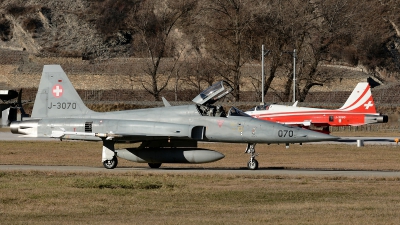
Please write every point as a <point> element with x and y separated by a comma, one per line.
<point>56,97</point>
<point>360,100</point>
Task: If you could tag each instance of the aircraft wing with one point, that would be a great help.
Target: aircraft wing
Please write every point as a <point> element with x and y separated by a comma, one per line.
<point>133,130</point>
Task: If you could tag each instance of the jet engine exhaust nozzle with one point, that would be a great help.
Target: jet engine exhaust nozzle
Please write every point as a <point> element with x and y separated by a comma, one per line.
<point>28,128</point>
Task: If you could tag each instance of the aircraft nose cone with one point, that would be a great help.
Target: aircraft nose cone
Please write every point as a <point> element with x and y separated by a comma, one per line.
<point>317,136</point>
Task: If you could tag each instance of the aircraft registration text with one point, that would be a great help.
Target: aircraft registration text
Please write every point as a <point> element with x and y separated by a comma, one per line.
<point>62,105</point>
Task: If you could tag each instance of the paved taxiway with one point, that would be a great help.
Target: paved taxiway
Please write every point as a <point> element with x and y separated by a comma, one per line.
<point>233,171</point>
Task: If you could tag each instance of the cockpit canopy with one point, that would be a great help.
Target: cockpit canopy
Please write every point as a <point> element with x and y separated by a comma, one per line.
<point>205,100</point>
<point>213,93</point>
<point>260,107</point>
<point>236,112</point>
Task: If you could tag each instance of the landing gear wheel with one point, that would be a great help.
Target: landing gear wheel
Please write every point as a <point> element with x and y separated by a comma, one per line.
<point>154,165</point>
<point>111,164</point>
<point>252,164</point>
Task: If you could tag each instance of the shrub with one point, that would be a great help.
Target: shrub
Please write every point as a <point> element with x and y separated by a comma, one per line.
<point>5,30</point>
<point>32,25</point>
<point>17,10</point>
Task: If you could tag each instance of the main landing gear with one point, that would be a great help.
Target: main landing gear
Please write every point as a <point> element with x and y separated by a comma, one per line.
<point>111,164</point>
<point>108,157</point>
<point>253,163</point>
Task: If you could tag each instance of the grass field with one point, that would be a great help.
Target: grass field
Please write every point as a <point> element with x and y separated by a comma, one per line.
<point>33,197</point>
<point>134,198</point>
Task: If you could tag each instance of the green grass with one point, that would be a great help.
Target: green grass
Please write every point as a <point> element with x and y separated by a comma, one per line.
<point>134,198</point>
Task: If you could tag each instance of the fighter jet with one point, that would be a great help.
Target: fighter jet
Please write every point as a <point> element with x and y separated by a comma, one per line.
<point>359,109</point>
<point>165,134</point>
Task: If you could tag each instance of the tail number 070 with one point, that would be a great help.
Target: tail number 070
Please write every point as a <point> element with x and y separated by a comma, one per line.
<point>285,133</point>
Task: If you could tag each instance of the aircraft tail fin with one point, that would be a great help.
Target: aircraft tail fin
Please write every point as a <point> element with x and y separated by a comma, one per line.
<point>56,97</point>
<point>360,100</point>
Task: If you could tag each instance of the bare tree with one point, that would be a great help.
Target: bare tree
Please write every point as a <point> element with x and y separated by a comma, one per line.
<point>229,25</point>
<point>374,31</point>
<point>275,31</point>
<point>224,35</point>
<point>154,23</point>
<point>200,73</point>
<point>328,23</point>
<point>310,28</point>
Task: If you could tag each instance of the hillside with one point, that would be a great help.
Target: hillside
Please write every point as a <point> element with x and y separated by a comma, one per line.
<point>49,27</point>
<point>103,44</point>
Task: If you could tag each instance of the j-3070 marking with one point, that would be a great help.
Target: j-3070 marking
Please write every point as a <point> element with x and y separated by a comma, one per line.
<point>62,105</point>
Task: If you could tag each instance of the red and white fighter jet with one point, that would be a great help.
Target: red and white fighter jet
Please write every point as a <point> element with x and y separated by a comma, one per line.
<point>359,109</point>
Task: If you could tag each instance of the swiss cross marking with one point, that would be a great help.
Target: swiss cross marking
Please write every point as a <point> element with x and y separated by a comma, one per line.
<point>369,104</point>
<point>57,90</point>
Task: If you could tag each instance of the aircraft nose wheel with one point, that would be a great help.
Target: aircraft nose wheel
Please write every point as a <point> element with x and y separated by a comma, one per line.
<point>252,164</point>
<point>110,164</point>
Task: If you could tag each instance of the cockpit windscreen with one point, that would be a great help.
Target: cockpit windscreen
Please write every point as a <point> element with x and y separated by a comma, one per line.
<point>236,112</point>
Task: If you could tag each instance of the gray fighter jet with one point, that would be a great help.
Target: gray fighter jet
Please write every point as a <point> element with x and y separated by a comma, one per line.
<point>166,134</point>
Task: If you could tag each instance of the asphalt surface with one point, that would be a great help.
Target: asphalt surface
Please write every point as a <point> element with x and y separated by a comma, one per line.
<point>267,171</point>
<point>5,136</point>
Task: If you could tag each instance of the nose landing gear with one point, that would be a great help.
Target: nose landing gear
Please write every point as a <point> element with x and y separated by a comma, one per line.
<point>253,163</point>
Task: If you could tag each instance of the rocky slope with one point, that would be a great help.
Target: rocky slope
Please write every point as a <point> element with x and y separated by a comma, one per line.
<point>50,28</point>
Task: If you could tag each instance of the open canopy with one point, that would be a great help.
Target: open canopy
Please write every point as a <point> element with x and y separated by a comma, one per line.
<point>213,93</point>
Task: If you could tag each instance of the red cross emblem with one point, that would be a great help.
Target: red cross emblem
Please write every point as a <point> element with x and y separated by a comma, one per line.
<point>57,90</point>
